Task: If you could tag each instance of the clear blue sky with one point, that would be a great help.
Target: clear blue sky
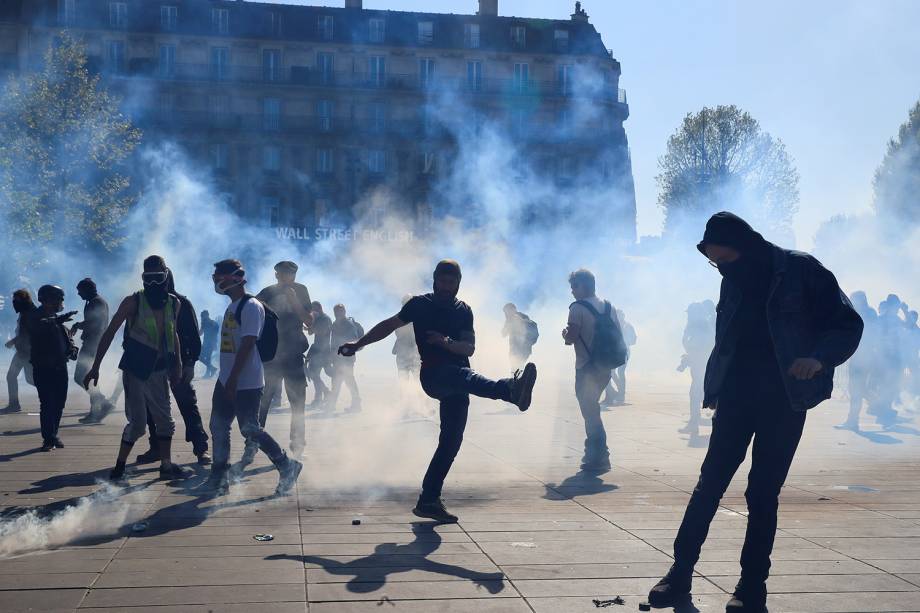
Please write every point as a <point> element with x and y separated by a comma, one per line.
<point>832,78</point>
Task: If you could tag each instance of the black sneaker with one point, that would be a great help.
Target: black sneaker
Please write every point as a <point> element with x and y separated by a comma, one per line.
<point>522,386</point>
<point>117,475</point>
<point>57,443</point>
<point>174,472</point>
<point>47,445</point>
<point>204,458</point>
<point>289,473</point>
<point>434,510</point>
<point>89,418</point>
<point>673,588</point>
<point>12,408</point>
<point>218,482</point>
<point>749,597</point>
<point>148,457</point>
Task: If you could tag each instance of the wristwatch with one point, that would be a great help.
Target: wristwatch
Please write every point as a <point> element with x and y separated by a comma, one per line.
<point>450,341</point>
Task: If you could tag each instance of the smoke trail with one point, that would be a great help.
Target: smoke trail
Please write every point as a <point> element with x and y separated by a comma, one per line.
<point>98,514</point>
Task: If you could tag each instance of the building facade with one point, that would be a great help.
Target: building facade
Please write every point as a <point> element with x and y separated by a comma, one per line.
<point>312,116</point>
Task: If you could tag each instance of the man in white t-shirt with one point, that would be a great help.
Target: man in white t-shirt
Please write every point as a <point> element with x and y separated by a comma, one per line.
<point>238,390</point>
<point>590,379</point>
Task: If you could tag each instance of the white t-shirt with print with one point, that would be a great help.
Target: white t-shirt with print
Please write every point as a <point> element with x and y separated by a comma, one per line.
<point>252,376</point>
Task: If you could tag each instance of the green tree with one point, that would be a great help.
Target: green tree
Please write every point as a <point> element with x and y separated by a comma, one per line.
<point>897,180</point>
<point>720,159</point>
<point>63,140</point>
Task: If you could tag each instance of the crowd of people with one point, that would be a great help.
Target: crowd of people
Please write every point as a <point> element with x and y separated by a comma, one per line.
<point>761,361</point>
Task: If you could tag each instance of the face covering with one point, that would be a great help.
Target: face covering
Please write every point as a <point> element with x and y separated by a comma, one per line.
<point>156,294</point>
<point>222,287</point>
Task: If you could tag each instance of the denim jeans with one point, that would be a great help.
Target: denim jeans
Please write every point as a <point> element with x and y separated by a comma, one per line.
<point>775,429</point>
<point>245,409</point>
<point>287,369</point>
<point>590,382</point>
<point>452,386</point>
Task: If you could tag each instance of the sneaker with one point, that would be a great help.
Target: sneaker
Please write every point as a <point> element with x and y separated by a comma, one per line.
<point>89,418</point>
<point>57,443</point>
<point>148,457</point>
<point>13,408</point>
<point>673,588</point>
<point>107,407</point>
<point>289,473</point>
<point>204,458</point>
<point>47,445</point>
<point>218,482</point>
<point>117,475</point>
<point>434,510</point>
<point>249,454</point>
<point>748,597</point>
<point>522,386</point>
<point>848,425</point>
<point>175,472</point>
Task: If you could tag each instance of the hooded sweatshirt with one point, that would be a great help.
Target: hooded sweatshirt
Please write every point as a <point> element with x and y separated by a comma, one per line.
<point>754,358</point>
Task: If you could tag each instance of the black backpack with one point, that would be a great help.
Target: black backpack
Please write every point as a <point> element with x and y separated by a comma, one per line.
<point>609,350</point>
<point>267,344</point>
<point>532,330</point>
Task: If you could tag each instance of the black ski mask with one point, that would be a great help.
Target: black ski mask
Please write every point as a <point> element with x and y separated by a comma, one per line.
<point>728,230</point>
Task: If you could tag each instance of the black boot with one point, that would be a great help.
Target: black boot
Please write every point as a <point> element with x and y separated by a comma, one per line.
<point>434,510</point>
<point>749,597</point>
<point>673,588</point>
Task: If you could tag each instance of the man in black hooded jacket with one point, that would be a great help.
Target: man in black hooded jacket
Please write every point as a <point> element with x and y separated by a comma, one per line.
<point>782,326</point>
<point>182,390</point>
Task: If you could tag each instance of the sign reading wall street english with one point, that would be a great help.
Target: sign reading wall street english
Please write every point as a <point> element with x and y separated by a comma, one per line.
<point>292,233</point>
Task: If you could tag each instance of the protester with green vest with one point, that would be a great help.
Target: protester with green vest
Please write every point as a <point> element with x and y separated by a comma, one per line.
<point>150,360</point>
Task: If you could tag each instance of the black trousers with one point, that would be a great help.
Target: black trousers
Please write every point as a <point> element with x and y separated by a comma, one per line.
<point>187,401</point>
<point>775,429</point>
<point>51,383</point>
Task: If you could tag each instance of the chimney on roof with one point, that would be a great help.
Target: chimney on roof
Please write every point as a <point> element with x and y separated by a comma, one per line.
<point>579,14</point>
<point>354,4</point>
<point>488,8</point>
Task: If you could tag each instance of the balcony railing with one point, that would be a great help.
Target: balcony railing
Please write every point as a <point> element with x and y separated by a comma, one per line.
<point>305,76</point>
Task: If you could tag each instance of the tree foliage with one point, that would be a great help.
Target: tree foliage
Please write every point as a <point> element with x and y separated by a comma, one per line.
<point>720,159</point>
<point>63,140</point>
<point>897,180</point>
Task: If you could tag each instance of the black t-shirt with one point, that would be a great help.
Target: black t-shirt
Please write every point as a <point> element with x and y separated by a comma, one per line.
<point>453,320</point>
<point>291,337</point>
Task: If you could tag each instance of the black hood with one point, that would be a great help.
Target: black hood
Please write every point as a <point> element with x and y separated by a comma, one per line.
<point>729,230</point>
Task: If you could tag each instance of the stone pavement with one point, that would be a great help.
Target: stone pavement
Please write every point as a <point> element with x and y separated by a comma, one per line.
<point>535,533</point>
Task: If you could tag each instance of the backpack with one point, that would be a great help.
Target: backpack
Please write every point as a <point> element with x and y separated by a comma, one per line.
<point>267,344</point>
<point>609,350</point>
<point>359,329</point>
<point>532,332</point>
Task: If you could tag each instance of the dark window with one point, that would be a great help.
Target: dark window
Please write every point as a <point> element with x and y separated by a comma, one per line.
<point>471,35</point>
<point>561,38</point>
<point>273,23</point>
<point>519,36</point>
<point>271,158</point>
<point>271,114</point>
<point>474,75</point>
<point>220,20</point>
<point>425,32</point>
<point>378,70</point>
<point>325,64</point>
<point>167,61</point>
<point>565,79</point>
<point>325,163</point>
<point>271,64</point>
<point>376,30</point>
<point>66,12</point>
<point>324,115</point>
<point>116,53</point>
<point>169,16</point>
<point>220,63</point>
<point>426,71</point>
<point>325,27</point>
<point>118,14</point>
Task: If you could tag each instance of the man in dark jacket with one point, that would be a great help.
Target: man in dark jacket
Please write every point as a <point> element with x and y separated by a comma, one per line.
<point>783,325</point>
<point>51,349</point>
<point>182,390</point>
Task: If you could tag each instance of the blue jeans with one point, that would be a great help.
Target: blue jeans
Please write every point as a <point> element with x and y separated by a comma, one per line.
<point>452,385</point>
<point>246,411</point>
<point>590,382</point>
